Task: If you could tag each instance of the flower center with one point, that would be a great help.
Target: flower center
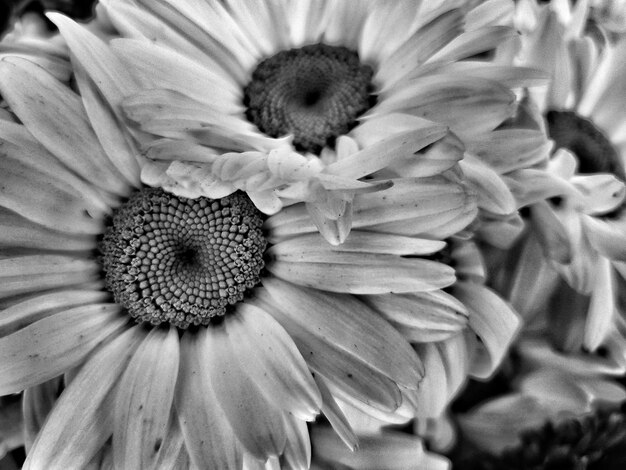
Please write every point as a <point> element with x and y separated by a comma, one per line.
<point>593,149</point>
<point>315,93</point>
<point>182,261</point>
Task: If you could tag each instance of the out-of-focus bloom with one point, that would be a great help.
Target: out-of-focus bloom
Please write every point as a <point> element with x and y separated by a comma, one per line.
<point>245,308</point>
<point>536,395</point>
<point>577,221</point>
<point>594,441</point>
<point>318,97</point>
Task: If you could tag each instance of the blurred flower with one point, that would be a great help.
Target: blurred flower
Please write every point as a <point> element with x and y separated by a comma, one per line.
<point>594,441</point>
<point>314,98</point>
<point>575,209</point>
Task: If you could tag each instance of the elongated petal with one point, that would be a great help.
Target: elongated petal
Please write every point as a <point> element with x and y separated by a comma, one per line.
<point>36,272</point>
<point>21,146</point>
<point>82,420</point>
<point>333,228</point>
<point>361,273</point>
<point>474,42</point>
<point>410,207</point>
<point>37,403</point>
<point>208,436</point>
<point>507,75</point>
<point>16,231</point>
<point>601,314</point>
<point>144,400</point>
<point>493,194</point>
<point>424,317</point>
<point>112,78</point>
<point>61,124</point>
<point>386,152</point>
<point>162,68</point>
<point>493,321</point>
<point>297,453</point>
<point>349,325</point>
<point>345,373</point>
<point>47,201</point>
<point>33,308</point>
<point>453,101</point>
<point>336,417</point>
<point>173,454</point>
<point>419,47</point>
<point>110,129</point>
<point>552,234</point>
<point>269,356</point>
<point>51,346</point>
<point>257,423</point>
<point>607,236</point>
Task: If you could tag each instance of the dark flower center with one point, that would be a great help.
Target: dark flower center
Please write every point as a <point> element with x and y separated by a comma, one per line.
<point>593,149</point>
<point>182,261</point>
<point>315,93</point>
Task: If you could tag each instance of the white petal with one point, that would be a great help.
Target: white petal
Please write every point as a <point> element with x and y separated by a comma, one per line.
<point>493,321</point>
<point>603,193</point>
<point>474,42</point>
<point>16,231</point>
<point>37,272</point>
<point>360,273</point>
<point>333,229</point>
<point>602,308</point>
<point>424,317</point>
<point>297,453</point>
<point>425,42</point>
<point>50,346</point>
<point>82,420</point>
<point>209,438</point>
<point>506,150</point>
<point>493,194</point>
<point>607,236</point>
<point>48,200</point>
<point>336,417</point>
<point>33,308</point>
<point>163,68</point>
<point>110,129</point>
<point>348,325</point>
<point>269,356</point>
<point>552,234</point>
<point>56,117</point>
<point>38,401</point>
<point>386,152</point>
<point>256,421</point>
<point>144,400</point>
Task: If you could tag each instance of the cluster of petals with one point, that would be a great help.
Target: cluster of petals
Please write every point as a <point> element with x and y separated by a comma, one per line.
<point>188,96</point>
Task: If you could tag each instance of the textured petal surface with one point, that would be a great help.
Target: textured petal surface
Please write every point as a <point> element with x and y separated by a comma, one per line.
<point>144,400</point>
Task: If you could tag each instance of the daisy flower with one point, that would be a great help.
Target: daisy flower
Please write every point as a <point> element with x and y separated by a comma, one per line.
<point>317,96</point>
<point>193,329</point>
